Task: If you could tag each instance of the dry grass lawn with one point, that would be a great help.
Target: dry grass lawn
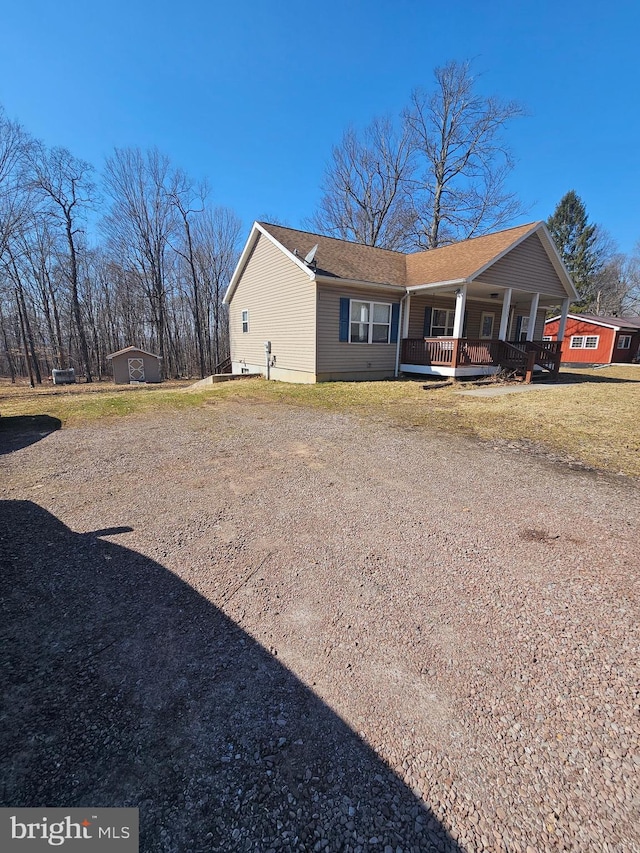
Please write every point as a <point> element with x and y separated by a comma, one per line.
<point>594,420</point>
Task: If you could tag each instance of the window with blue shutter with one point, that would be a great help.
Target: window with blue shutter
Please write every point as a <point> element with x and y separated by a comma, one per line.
<point>363,322</point>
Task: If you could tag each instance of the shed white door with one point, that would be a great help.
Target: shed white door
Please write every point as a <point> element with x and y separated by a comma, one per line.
<point>136,369</point>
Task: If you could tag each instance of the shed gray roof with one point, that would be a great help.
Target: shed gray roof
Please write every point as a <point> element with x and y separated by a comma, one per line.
<point>133,349</point>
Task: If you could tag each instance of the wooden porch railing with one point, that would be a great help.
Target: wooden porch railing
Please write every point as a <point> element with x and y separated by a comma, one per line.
<point>470,352</point>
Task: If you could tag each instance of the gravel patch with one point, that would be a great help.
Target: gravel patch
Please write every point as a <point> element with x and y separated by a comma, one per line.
<point>308,632</point>
<point>501,390</point>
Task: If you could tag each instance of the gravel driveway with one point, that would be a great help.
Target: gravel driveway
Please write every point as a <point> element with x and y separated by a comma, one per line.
<point>301,631</point>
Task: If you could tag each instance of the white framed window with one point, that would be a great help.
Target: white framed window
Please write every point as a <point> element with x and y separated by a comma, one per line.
<point>369,322</point>
<point>442,323</point>
<point>487,320</point>
<point>584,341</point>
<point>624,342</point>
<point>245,320</point>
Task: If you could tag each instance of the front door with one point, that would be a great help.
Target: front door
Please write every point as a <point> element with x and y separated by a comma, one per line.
<point>522,326</point>
<point>136,370</point>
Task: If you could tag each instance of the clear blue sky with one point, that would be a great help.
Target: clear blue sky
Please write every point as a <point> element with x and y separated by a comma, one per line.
<point>252,95</point>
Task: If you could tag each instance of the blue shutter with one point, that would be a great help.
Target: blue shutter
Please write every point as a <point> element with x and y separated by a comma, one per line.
<point>426,329</point>
<point>395,316</point>
<point>344,319</point>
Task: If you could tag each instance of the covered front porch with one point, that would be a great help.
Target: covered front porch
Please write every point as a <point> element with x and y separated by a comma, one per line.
<point>460,357</point>
<point>473,329</point>
<point>479,306</point>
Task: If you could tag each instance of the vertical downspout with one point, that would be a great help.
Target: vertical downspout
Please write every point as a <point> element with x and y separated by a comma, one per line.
<point>400,318</point>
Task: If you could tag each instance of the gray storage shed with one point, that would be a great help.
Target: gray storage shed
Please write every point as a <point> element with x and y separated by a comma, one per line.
<point>133,365</point>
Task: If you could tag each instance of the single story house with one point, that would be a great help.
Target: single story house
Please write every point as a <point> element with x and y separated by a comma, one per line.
<point>133,365</point>
<point>589,339</point>
<point>308,308</point>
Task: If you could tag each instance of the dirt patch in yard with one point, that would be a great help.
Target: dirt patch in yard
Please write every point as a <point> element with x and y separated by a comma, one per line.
<point>308,632</point>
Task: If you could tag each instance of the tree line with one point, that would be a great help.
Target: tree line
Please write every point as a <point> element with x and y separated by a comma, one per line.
<point>157,273</point>
<point>155,278</point>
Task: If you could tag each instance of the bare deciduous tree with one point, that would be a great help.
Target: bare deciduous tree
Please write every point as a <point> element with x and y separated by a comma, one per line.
<point>616,286</point>
<point>141,221</point>
<point>66,185</point>
<point>456,135</point>
<point>217,234</point>
<point>366,188</point>
<point>188,201</point>
<point>15,144</point>
<point>440,177</point>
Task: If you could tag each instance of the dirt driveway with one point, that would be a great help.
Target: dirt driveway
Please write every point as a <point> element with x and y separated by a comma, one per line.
<point>271,628</point>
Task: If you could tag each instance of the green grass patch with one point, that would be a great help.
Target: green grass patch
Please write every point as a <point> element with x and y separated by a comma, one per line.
<point>80,404</point>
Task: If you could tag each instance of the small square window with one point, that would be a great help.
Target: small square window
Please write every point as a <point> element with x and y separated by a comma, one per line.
<point>577,342</point>
<point>624,342</point>
<point>245,320</point>
<point>591,342</point>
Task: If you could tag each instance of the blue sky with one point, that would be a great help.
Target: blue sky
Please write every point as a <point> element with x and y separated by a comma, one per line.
<point>253,95</point>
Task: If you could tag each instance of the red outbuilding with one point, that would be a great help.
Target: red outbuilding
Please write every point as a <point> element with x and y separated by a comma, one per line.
<point>589,339</point>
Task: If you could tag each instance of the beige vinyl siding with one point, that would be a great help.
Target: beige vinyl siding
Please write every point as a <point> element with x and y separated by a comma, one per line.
<point>539,329</point>
<point>526,268</point>
<point>342,360</point>
<point>281,300</point>
<point>474,310</point>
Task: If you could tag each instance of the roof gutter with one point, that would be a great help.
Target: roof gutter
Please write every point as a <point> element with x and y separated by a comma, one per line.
<point>457,281</point>
<point>339,282</point>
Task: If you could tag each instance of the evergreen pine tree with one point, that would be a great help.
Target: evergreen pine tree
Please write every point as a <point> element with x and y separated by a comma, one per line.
<point>576,240</point>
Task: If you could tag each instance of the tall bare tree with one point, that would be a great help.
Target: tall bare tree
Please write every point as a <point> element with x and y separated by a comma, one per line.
<point>15,202</point>
<point>42,259</point>
<point>217,236</point>
<point>189,202</point>
<point>366,188</point>
<point>463,160</point>
<point>615,287</point>
<point>141,222</point>
<point>66,185</point>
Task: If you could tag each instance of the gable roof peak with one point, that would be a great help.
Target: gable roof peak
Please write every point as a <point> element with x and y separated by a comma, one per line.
<point>465,259</point>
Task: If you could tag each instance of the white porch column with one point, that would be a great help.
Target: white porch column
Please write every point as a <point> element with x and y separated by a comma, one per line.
<point>461,301</point>
<point>562,325</point>
<point>533,313</point>
<point>405,318</point>
<point>504,319</point>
